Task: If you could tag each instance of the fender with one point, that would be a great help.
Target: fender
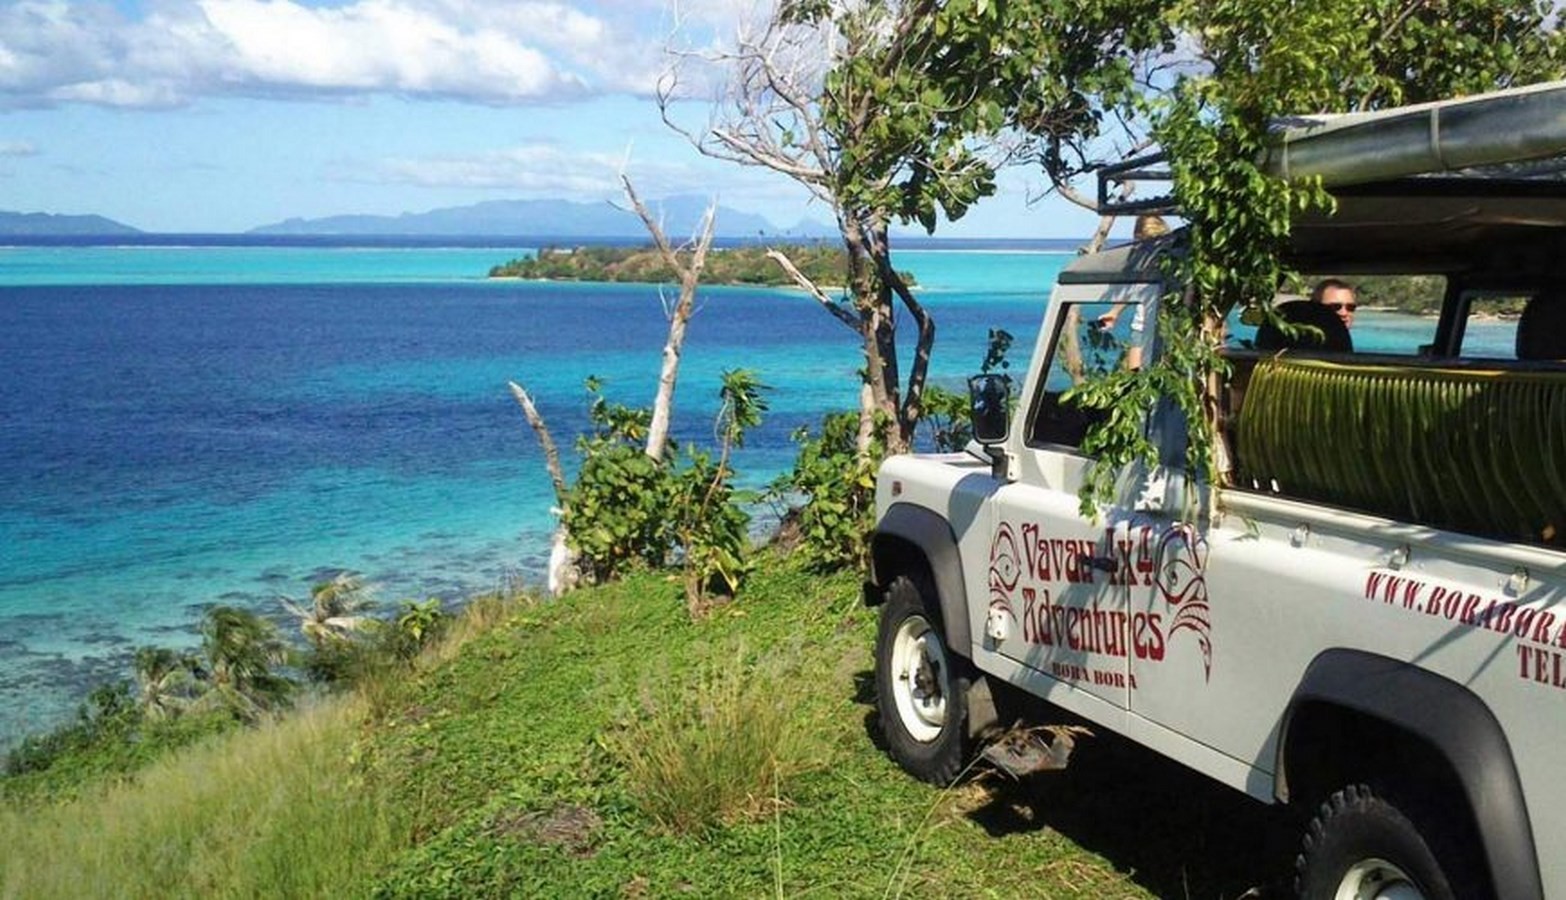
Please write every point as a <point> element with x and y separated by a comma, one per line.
<point>932,536</point>
<point>1454,721</point>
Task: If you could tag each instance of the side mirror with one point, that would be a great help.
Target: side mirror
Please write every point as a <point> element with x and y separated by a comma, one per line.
<point>989,403</point>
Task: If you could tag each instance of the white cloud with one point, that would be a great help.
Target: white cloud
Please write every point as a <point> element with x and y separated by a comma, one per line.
<point>119,92</point>
<point>530,51</point>
<point>534,169</point>
<point>17,149</point>
<point>378,45</point>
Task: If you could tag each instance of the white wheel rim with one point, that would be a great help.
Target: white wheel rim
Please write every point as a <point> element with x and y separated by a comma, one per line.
<point>919,679</point>
<point>1376,879</point>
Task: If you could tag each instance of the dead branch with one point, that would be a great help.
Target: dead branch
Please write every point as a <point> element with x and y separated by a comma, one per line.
<point>803,280</point>
<point>545,440</point>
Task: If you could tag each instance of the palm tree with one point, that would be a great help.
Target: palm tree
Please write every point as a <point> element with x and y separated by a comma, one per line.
<point>166,682</point>
<point>335,609</point>
<point>239,649</point>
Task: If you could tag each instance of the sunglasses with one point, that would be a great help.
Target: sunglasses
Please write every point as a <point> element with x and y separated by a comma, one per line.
<point>1348,306</point>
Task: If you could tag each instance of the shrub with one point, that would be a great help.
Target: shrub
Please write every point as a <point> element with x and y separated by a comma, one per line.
<point>108,716</point>
<point>417,625</point>
<point>947,416</point>
<point>617,511</point>
<point>711,528</point>
<point>837,487</point>
<point>946,419</point>
<point>627,509</point>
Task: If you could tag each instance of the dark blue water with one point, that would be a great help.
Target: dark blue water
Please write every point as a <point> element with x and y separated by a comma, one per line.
<point>186,426</point>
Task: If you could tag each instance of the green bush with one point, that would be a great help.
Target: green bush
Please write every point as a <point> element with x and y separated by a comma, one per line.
<point>626,509</point>
<point>947,420</point>
<point>947,416</point>
<point>617,510</point>
<point>109,715</point>
<point>417,625</point>
<point>837,489</point>
<point>711,527</point>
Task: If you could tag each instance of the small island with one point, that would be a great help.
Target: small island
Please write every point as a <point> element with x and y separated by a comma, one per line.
<point>822,263</point>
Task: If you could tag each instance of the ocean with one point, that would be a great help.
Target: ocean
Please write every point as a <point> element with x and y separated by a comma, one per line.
<point>189,425</point>
<point>228,422</point>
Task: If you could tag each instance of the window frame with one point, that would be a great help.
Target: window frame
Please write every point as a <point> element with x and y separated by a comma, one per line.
<point>1133,295</point>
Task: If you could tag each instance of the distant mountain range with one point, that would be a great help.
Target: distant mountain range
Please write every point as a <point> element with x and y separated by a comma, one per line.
<point>680,217</point>
<point>15,223</point>
<point>554,219</point>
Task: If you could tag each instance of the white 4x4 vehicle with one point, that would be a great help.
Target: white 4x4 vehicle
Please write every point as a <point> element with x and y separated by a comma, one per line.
<point>1371,626</point>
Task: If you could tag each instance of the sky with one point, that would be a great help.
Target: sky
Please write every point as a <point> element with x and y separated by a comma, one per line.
<point>222,115</point>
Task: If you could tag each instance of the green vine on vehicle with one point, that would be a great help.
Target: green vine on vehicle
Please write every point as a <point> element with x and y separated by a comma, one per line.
<point>1214,125</point>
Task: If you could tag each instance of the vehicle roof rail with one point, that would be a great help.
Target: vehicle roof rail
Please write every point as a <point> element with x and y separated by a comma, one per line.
<point>1113,178</point>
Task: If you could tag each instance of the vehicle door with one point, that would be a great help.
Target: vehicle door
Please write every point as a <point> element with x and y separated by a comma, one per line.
<point>1058,601</point>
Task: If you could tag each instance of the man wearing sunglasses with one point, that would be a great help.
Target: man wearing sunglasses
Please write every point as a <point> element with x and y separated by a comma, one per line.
<point>1339,296</point>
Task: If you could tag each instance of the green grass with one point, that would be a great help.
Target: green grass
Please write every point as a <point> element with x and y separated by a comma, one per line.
<point>606,745</point>
<point>274,811</point>
<point>720,750</point>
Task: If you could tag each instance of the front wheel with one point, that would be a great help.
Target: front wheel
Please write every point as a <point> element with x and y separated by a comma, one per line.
<point>921,686</point>
<point>1362,846</point>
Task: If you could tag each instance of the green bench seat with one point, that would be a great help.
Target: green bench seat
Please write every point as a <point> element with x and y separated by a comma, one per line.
<point>1465,448</point>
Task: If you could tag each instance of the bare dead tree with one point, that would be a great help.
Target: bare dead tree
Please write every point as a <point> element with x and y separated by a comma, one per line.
<point>769,115</point>
<point>687,262</point>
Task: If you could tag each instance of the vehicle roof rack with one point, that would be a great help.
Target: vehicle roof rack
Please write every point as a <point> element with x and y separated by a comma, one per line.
<point>1115,177</point>
<point>1517,136</point>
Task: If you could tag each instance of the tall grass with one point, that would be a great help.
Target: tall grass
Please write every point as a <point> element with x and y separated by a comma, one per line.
<point>277,811</point>
<point>720,748</point>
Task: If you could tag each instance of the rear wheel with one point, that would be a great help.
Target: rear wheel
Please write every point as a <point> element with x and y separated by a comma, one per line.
<point>1363,846</point>
<point>921,687</point>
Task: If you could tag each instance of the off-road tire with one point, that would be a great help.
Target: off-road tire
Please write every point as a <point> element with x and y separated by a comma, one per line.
<point>1361,837</point>
<point>921,685</point>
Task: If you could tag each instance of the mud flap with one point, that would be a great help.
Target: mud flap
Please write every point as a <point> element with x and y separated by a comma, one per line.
<point>982,717</point>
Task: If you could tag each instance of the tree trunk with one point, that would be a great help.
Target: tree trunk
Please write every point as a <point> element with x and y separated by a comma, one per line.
<point>866,435</point>
<point>911,407</point>
<point>663,402</point>
<point>689,274</point>
<point>876,332</point>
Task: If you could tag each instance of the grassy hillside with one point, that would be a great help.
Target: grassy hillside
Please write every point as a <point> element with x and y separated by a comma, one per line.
<point>607,746</point>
